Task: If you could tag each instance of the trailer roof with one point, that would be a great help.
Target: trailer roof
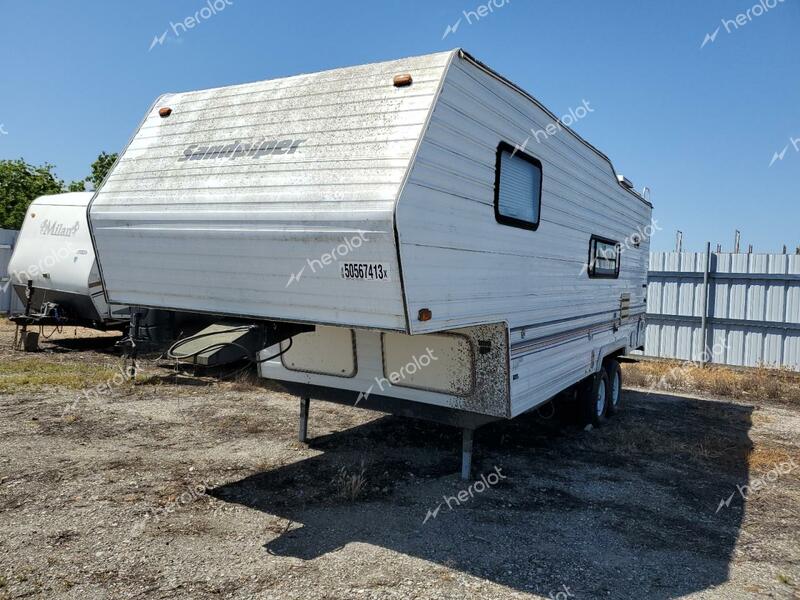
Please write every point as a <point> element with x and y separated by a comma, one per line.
<point>67,199</point>
<point>467,56</point>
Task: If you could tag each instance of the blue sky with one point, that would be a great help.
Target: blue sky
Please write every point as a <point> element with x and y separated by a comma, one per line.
<point>698,126</point>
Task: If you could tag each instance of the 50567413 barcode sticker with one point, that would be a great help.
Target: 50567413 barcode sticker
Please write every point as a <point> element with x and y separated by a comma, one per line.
<point>365,271</point>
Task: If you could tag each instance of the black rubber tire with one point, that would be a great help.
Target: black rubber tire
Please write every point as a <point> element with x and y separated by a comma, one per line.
<point>588,399</point>
<point>613,370</point>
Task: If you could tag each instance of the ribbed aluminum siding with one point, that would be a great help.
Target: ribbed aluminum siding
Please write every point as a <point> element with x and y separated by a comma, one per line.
<point>467,268</point>
<point>224,236</point>
<point>450,239</point>
<point>754,308</point>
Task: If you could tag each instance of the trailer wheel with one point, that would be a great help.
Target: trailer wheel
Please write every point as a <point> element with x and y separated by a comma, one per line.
<point>614,373</point>
<point>594,399</point>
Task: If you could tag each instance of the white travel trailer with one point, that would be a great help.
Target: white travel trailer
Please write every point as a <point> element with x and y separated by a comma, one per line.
<point>53,268</point>
<point>434,253</point>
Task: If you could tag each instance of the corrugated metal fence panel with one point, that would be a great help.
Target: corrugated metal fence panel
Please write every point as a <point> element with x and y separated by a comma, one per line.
<point>8,299</point>
<point>753,308</point>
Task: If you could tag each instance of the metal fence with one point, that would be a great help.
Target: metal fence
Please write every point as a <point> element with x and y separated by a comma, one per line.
<point>733,309</point>
<point>8,299</point>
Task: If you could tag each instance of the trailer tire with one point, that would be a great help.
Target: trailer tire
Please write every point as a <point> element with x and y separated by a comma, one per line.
<point>594,399</point>
<point>614,373</point>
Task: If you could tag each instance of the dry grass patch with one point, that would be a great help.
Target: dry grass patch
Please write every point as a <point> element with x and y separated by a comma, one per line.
<point>246,380</point>
<point>34,372</point>
<point>763,458</point>
<point>747,384</point>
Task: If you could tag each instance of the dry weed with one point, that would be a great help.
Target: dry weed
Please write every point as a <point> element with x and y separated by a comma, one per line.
<point>350,484</point>
<point>754,384</point>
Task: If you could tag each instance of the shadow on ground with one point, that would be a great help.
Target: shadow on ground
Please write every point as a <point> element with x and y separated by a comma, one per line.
<point>625,511</point>
<point>100,343</point>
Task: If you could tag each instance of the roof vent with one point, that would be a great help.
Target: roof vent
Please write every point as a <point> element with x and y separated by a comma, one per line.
<point>625,181</point>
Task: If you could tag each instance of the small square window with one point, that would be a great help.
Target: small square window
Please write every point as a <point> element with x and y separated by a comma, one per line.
<point>604,258</point>
<point>517,188</point>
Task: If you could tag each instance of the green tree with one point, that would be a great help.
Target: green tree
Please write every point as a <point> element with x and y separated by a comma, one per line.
<point>100,168</point>
<point>20,184</point>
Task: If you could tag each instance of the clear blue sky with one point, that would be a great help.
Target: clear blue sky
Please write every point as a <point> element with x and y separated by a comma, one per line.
<point>698,126</point>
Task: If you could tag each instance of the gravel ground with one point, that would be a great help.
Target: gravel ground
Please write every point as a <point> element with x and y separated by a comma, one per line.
<point>178,487</point>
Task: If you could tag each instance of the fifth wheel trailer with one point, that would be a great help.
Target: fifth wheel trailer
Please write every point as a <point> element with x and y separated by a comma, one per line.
<point>388,225</point>
<point>53,268</point>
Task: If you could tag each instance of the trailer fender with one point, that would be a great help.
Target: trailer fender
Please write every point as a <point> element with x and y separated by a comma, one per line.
<point>606,351</point>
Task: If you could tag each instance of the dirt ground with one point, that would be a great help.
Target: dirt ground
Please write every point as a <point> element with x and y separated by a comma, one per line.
<point>178,487</point>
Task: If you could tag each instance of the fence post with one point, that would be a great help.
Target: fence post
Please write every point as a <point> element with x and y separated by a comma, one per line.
<point>704,315</point>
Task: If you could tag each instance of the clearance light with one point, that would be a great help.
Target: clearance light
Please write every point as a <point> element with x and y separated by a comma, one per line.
<point>164,112</point>
<point>425,314</point>
<point>402,80</point>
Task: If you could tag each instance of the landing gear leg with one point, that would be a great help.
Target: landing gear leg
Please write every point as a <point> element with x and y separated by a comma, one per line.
<point>303,434</point>
<point>466,454</point>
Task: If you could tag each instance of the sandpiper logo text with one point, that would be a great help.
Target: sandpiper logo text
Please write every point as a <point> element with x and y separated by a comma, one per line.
<point>239,149</point>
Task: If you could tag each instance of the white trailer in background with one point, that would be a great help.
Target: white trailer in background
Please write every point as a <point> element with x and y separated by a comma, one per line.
<point>427,260</point>
<point>53,269</point>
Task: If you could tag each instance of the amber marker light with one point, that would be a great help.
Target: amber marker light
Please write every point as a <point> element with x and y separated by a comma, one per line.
<point>425,314</point>
<point>164,112</point>
<point>402,80</point>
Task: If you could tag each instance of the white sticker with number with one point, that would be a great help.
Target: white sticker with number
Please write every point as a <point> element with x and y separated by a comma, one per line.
<point>365,271</point>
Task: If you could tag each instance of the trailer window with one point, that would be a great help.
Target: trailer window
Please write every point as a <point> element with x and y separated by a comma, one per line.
<point>604,258</point>
<point>517,188</point>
